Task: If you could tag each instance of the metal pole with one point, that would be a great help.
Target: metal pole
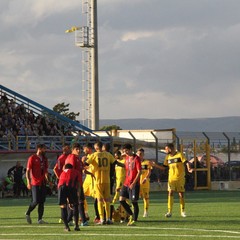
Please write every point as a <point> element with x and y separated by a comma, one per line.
<point>229,155</point>
<point>177,144</point>
<point>208,139</point>
<point>134,141</point>
<point>195,164</point>
<point>95,88</point>
<point>156,145</point>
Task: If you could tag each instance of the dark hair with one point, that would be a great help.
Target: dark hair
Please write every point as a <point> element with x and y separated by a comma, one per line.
<point>68,166</point>
<point>141,150</point>
<point>76,145</point>
<point>88,145</point>
<point>65,146</point>
<point>118,153</point>
<point>127,146</point>
<point>170,145</point>
<point>99,144</point>
<point>41,145</point>
<point>107,146</point>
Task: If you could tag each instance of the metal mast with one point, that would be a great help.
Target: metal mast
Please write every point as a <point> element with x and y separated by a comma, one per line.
<point>86,38</point>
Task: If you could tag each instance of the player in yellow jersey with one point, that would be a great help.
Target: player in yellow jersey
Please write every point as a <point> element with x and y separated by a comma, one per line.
<point>101,162</point>
<point>120,173</point>
<point>175,161</point>
<point>88,184</point>
<point>146,169</point>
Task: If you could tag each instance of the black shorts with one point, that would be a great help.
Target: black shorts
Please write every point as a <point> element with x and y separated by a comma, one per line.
<point>81,195</point>
<point>67,195</point>
<point>39,194</point>
<point>131,194</point>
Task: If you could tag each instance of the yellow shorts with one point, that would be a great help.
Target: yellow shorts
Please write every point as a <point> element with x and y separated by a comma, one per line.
<point>102,191</point>
<point>177,186</point>
<point>144,192</point>
<point>88,188</point>
<point>119,184</point>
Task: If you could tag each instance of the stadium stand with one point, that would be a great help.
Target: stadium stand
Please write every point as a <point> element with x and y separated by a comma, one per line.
<point>23,122</point>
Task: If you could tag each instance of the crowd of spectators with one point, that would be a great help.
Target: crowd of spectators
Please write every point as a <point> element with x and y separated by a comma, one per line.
<point>18,120</point>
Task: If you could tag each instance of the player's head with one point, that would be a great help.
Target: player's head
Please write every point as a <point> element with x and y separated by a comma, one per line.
<point>41,148</point>
<point>127,148</point>
<point>66,148</point>
<point>76,149</point>
<point>106,147</point>
<point>117,155</point>
<point>140,152</point>
<point>98,146</point>
<point>76,145</point>
<point>169,148</point>
<point>18,164</point>
<point>87,148</point>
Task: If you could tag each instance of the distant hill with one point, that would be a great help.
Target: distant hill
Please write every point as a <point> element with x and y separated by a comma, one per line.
<point>220,124</point>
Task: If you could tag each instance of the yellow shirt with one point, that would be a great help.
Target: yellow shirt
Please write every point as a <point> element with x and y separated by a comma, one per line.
<point>88,178</point>
<point>120,173</point>
<point>176,166</point>
<point>101,162</point>
<point>145,168</point>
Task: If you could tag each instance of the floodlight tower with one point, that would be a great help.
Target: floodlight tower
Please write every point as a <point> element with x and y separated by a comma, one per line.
<point>86,39</point>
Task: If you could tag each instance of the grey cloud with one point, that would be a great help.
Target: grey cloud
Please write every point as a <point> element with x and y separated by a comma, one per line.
<point>183,53</point>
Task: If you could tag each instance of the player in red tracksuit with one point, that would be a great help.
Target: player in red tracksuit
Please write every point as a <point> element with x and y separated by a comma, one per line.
<point>68,188</point>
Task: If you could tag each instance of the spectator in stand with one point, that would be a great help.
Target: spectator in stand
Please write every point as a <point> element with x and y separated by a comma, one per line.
<point>31,117</point>
<point>16,119</point>
<point>4,98</point>
<point>12,105</point>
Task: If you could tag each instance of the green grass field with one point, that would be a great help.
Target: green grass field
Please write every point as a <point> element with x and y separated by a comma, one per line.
<point>211,215</point>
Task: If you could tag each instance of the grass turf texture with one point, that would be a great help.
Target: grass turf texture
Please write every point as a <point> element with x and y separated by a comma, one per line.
<point>210,215</point>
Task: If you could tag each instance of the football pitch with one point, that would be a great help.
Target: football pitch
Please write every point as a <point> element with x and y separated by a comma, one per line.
<point>210,215</point>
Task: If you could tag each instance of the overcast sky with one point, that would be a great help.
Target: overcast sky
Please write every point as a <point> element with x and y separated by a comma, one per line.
<point>157,58</point>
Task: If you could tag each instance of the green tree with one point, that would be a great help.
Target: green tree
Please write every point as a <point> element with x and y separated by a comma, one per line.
<point>110,127</point>
<point>63,108</point>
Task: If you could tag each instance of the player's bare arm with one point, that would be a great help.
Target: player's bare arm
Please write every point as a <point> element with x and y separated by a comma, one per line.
<point>154,164</point>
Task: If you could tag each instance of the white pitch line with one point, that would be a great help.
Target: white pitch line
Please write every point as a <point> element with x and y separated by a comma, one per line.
<point>122,235</point>
<point>127,227</point>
